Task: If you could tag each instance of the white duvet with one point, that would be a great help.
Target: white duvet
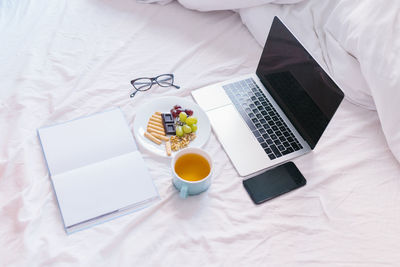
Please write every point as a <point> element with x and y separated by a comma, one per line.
<point>357,41</point>
<point>64,59</point>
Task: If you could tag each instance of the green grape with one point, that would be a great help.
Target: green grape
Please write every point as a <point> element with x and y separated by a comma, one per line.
<point>179,131</point>
<point>190,121</point>
<point>193,127</point>
<point>187,129</point>
<point>182,116</point>
<point>194,120</point>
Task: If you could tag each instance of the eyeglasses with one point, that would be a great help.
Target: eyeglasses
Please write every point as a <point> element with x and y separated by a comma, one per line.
<point>144,84</point>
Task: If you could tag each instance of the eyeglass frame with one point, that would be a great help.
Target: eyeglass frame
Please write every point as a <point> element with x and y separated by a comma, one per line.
<point>153,81</point>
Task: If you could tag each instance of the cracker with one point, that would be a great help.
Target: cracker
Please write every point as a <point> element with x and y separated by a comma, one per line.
<point>152,138</point>
<point>168,148</point>
<point>155,120</point>
<point>157,128</point>
<point>155,131</point>
<point>161,137</point>
<point>155,124</point>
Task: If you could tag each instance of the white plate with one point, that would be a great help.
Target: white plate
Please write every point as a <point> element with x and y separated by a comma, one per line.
<point>164,105</point>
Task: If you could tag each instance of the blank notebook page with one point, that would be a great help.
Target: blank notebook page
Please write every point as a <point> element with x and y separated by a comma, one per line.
<point>111,185</point>
<point>86,140</point>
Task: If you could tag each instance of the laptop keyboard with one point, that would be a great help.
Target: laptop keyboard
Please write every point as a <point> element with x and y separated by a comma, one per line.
<point>263,120</point>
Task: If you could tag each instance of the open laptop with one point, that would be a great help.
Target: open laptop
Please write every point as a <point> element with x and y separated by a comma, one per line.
<point>276,114</point>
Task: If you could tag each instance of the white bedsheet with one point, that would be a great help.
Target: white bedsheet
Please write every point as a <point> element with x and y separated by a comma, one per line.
<point>357,41</point>
<point>64,59</point>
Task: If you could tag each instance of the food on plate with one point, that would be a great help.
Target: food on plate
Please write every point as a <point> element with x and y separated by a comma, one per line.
<point>191,120</point>
<point>161,137</point>
<point>182,116</point>
<point>167,118</point>
<point>168,123</point>
<point>194,128</point>
<point>189,112</point>
<point>178,142</point>
<point>155,131</point>
<point>180,124</point>
<point>155,120</point>
<point>155,124</point>
<point>168,148</point>
<point>152,138</point>
<point>175,112</point>
<point>186,129</point>
<point>155,127</point>
<point>152,130</point>
<point>170,129</point>
<point>179,131</point>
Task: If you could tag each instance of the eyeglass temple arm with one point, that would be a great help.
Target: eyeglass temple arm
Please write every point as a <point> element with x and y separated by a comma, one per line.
<point>176,86</point>
<point>133,94</point>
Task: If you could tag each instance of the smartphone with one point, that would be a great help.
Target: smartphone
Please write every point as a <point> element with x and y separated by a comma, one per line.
<point>274,182</point>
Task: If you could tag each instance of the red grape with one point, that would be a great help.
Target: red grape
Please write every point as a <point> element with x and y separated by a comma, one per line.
<point>177,106</point>
<point>178,111</point>
<point>174,113</point>
<point>189,112</point>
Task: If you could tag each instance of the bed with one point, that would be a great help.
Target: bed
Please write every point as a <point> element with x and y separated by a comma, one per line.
<point>64,59</point>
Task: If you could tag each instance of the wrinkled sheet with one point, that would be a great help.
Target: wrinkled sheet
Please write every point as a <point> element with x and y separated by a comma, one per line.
<point>65,59</point>
<point>211,5</point>
<point>358,41</point>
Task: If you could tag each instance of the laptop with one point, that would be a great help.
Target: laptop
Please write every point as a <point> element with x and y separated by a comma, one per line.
<point>276,114</point>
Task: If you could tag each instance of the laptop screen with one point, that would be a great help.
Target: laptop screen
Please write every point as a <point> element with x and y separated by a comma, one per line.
<point>303,90</point>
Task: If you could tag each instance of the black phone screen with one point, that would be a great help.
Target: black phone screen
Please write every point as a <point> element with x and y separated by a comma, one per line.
<point>274,182</point>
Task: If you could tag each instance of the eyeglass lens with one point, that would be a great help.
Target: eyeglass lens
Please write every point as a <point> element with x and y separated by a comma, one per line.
<point>164,80</point>
<point>142,84</point>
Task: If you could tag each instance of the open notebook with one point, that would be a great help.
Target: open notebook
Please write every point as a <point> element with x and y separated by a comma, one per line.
<point>96,169</point>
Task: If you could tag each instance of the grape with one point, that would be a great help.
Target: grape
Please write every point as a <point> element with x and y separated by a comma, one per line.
<point>178,111</point>
<point>194,120</point>
<point>193,127</point>
<point>182,116</point>
<point>179,131</point>
<point>187,129</point>
<point>190,121</point>
<point>177,106</point>
<point>189,112</point>
<point>174,113</point>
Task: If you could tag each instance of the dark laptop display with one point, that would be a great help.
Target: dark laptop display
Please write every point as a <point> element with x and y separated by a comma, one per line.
<point>302,89</point>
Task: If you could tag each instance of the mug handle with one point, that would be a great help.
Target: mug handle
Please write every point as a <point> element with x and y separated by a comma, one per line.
<point>184,191</point>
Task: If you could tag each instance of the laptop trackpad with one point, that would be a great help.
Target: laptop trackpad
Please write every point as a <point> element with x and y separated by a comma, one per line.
<point>238,141</point>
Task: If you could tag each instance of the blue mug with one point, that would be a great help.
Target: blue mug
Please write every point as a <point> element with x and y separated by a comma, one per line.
<point>186,187</point>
